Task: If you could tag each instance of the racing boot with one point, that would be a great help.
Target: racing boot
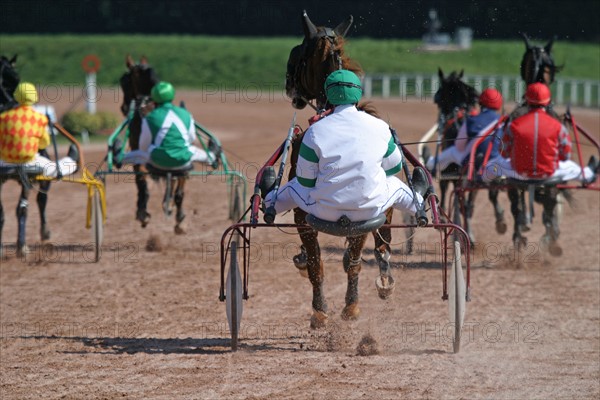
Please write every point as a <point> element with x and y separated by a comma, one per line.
<point>267,181</point>
<point>73,154</point>
<point>116,151</point>
<point>215,149</point>
<point>422,187</point>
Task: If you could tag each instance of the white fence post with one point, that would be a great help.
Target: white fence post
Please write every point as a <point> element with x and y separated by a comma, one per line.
<point>560,92</point>
<point>574,98</point>
<point>402,88</point>
<point>505,87</point>
<point>419,87</point>
<point>368,86</point>
<point>587,94</point>
<point>385,86</point>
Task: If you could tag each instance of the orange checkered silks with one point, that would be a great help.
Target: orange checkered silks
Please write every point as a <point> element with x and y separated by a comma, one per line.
<point>22,133</point>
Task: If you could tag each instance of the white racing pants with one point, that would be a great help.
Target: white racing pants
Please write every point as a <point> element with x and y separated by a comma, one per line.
<point>143,157</point>
<point>293,194</point>
<point>67,165</point>
<point>567,171</point>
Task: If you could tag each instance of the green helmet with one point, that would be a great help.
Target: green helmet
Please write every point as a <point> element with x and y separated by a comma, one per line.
<point>343,87</point>
<point>162,92</point>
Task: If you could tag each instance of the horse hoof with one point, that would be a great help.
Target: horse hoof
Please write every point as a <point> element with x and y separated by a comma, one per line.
<point>501,227</point>
<point>303,272</point>
<point>180,230</point>
<point>520,243</point>
<point>555,249</point>
<point>350,312</point>
<point>318,320</point>
<point>301,260</point>
<point>385,286</point>
<point>143,217</point>
<point>551,246</point>
<point>22,251</point>
<point>45,234</point>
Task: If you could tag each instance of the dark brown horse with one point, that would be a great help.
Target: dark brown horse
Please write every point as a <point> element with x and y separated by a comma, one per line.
<point>137,84</point>
<point>9,79</point>
<point>320,53</point>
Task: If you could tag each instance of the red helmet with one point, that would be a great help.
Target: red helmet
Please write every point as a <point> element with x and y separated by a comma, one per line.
<point>538,94</point>
<point>491,98</point>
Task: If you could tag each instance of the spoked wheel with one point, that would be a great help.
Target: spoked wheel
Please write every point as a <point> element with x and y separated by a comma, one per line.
<point>457,296</point>
<point>97,229</point>
<point>233,296</point>
<point>235,203</point>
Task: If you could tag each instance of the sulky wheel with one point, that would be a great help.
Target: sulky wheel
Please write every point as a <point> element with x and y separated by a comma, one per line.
<point>233,297</point>
<point>457,297</point>
<point>97,229</point>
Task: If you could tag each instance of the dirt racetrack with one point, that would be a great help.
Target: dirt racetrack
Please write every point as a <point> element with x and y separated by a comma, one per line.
<point>142,324</point>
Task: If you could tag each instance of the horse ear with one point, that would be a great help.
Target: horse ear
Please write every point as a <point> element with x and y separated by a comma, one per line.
<point>310,30</point>
<point>440,73</point>
<point>462,72</point>
<point>13,60</point>
<point>144,60</point>
<point>548,46</point>
<point>527,44</point>
<point>343,28</point>
<point>129,61</point>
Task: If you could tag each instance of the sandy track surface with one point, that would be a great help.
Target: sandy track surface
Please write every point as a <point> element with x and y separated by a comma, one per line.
<point>143,324</point>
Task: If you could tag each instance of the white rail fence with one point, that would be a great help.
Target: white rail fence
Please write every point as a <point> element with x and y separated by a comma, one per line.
<point>576,92</point>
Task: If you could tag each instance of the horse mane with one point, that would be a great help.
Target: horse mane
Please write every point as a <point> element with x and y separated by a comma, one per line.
<point>338,47</point>
<point>369,108</point>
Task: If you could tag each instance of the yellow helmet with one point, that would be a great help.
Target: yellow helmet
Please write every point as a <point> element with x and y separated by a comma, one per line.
<point>26,94</point>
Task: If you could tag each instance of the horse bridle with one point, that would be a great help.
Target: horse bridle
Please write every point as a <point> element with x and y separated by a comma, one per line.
<point>542,60</point>
<point>138,101</point>
<point>334,54</point>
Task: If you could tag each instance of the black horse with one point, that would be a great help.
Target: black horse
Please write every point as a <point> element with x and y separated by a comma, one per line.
<point>537,65</point>
<point>9,79</point>
<point>136,84</point>
<point>456,100</point>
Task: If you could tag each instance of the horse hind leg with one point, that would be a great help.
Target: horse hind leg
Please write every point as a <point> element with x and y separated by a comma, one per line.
<point>516,207</point>
<point>550,238</point>
<point>22,248</point>
<point>469,208</point>
<point>42,201</point>
<point>385,281</point>
<point>314,269</point>
<point>352,266</point>
<point>143,195</point>
<point>501,226</point>
<point>178,198</point>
